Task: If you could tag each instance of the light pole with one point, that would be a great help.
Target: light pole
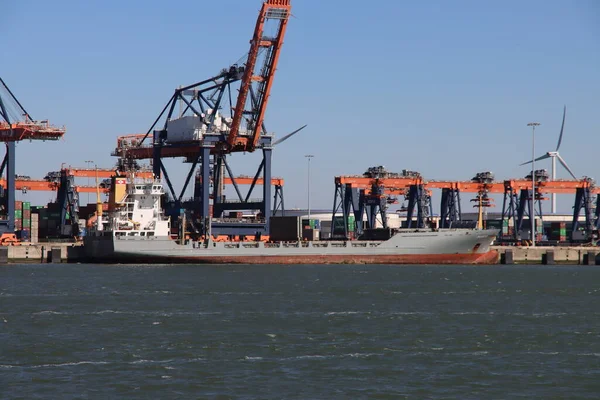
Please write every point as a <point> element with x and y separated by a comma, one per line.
<point>89,163</point>
<point>308,157</point>
<point>532,217</point>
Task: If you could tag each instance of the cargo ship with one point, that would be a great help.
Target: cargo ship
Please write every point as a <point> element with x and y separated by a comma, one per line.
<point>135,230</point>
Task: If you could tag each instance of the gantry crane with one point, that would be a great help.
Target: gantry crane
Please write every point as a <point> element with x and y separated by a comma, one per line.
<point>374,190</point>
<point>67,191</point>
<point>372,193</point>
<point>210,126</point>
<point>16,124</point>
<point>519,201</point>
<point>482,185</point>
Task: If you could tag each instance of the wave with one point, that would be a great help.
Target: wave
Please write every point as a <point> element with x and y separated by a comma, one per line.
<point>314,357</point>
<point>48,312</point>
<point>59,365</point>
<point>148,313</point>
<point>89,362</point>
<point>347,312</point>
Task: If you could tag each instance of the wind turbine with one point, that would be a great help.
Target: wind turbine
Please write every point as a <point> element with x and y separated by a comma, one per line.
<point>554,155</point>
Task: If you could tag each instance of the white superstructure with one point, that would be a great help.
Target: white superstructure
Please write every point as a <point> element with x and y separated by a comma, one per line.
<point>136,210</point>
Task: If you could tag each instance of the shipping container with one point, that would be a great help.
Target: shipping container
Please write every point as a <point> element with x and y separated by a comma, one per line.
<point>338,224</point>
<point>18,214</point>
<point>23,235</point>
<point>310,234</point>
<point>285,228</point>
<point>26,205</point>
<point>311,223</point>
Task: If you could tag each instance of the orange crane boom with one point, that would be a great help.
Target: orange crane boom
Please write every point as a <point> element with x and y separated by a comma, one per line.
<point>278,10</point>
<point>102,173</point>
<point>41,185</point>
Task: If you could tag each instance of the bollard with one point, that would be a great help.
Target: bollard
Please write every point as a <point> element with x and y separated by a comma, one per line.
<point>548,258</point>
<point>55,256</point>
<point>507,257</point>
<point>589,258</point>
<point>3,255</point>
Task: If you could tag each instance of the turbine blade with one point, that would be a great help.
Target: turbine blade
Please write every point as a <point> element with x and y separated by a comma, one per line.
<point>564,164</point>
<point>537,159</point>
<point>289,135</point>
<point>562,127</point>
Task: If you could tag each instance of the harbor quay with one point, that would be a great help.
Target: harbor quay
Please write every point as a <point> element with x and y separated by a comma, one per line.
<point>507,255</point>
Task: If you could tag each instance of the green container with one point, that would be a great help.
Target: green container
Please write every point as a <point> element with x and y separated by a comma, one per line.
<point>351,223</point>
<point>26,205</point>
<point>18,213</point>
<point>26,223</point>
<point>338,223</point>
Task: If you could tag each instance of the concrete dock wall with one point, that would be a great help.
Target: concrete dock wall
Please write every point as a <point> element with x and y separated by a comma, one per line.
<point>548,255</point>
<point>42,253</point>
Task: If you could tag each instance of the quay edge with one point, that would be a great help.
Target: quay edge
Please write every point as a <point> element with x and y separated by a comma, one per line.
<point>73,253</point>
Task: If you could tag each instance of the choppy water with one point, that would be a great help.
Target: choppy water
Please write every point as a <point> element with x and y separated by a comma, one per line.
<point>299,332</point>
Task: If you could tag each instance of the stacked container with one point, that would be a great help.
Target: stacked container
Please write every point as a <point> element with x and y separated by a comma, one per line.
<point>42,224</point>
<point>26,225</point>
<point>53,224</point>
<point>18,215</point>
<point>338,224</point>
<point>311,224</point>
<point>558,231</point>
<point>34,228</point>
<point>505,227</point>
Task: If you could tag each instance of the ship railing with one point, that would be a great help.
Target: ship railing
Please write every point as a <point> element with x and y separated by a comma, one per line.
<point>246,245</point>
<point>237,201</point>
<point>239,220</point>
<point>320,244</point>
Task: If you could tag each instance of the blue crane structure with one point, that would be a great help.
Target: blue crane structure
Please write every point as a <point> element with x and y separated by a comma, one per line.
<point>16,124</point>
<point>211,125</point>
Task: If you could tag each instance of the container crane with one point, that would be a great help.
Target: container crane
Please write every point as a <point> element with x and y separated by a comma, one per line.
<point>372,192</point>
<point>257,83</point>
<point>210,125</point>
<point>12,130</point>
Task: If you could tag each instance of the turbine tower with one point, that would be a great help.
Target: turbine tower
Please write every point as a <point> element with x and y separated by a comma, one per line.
<point>555,155</point>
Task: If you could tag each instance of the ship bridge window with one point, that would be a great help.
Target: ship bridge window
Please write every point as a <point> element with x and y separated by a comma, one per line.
<point>138,187</point>
<point>119,233</point>
<point>131,233</point>
<point>142,233</point>
<point>150,233</point>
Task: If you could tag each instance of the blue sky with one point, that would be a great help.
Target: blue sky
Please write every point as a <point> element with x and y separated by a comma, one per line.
<point>444,88</point>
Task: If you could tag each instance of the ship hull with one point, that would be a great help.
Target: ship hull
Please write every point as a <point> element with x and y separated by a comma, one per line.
<point>448,247</point>
<point>490,257</point>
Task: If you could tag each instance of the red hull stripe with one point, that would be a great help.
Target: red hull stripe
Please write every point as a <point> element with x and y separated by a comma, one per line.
<point>491,257</point>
